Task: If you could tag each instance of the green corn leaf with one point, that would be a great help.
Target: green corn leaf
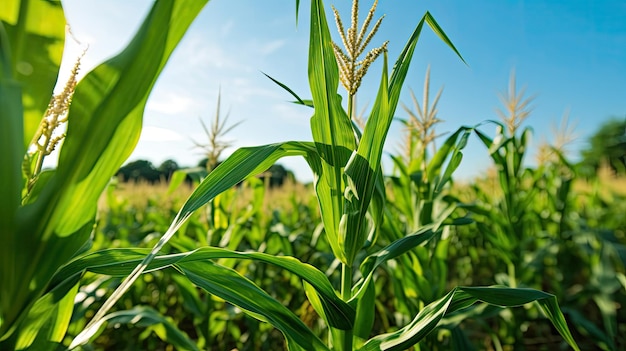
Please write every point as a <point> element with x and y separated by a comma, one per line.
<point>35,32</point>
<point>330,126</point>
<point>362,167</point>
<point>449,146</point>
<point>47,321</point>
<point>362,173</point>
<point>104,125</point>
<point>401,67</point>
<point>462,297</point>
<point>121,262</point>
<point>440,33</point>
<point>339,314</point>
<point>231,286</point>
<point>300,101</point>
<point>147,317</point>
<point>389,252</point>
<point>111,100</point>
<point>10,188</point>
<point>241,164</point>
<point>455,159</point>
<point>365,312</point>
<point>297,10</point>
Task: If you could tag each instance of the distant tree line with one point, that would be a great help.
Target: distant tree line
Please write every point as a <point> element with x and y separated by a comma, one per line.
<point>605,148</point>
<point>145,171</point>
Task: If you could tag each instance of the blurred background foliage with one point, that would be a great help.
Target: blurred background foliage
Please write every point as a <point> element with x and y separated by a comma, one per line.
<point>546,227</point>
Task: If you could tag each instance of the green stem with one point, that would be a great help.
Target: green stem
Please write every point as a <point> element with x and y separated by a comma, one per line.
<point>346,294</point>
<point>351,107</point>
<point>512,278</point>
<point>20,36</point>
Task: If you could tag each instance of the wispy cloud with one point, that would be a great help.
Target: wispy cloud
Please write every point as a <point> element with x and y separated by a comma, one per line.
<point>170,103</point>
<point>203,53</point>
<point>272,46</point>
<point>152,133</point>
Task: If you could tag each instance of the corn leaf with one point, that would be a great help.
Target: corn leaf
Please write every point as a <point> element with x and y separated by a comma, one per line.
<point>120,262</point>
<point>46,323</point>
<point>241,164</point>
<point>362,172</point>
<point>10,188</point>
<point>389,252</point>
<point>104,125</point>
<point>455,159</point>
<point>365,313</point>
<point>331,127</point>
<point>450,146</point>
<point>36,33</point>
<point>362,167</point>
<point>147,317</point>
<point>231,286</point>
<point>462,297</point>
<point>299,100</point>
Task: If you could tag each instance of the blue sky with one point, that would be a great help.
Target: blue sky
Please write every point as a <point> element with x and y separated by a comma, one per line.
<point>569,54</point>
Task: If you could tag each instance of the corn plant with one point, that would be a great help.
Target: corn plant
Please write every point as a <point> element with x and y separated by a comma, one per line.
<point>46,217</point>
<point>531,225</point>
<point>420,196</point>
<point>346,163</point>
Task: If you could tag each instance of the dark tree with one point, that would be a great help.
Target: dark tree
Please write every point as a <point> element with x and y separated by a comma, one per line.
<point>167,168</point>
<point>276,175</point>
<point>606,147</point>
<point>139,170</point>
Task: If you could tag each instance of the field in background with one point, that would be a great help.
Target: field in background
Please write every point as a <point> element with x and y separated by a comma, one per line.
<point>284,221</point>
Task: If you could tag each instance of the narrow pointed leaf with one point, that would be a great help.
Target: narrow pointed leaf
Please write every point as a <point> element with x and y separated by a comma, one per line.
<point>240,165</point>
<point>440,33</point>
<point>459,298</point>
<point>389,252</point>
<point>362,172</point>
<point>121,262</point>
<point>164,327</point>
<point>330,125</point>
<point>234,288</point>
<point>298,99</point>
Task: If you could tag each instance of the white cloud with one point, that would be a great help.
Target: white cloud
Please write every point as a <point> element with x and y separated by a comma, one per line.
<point>201,53</point>
<point>152,133</point>
<point>170,103</point>
<point>272,46</point>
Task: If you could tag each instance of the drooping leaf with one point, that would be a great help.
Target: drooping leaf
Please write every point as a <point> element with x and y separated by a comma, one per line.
<point>121,262</point>
<point>147,317</point>
<point>232,287</point>
<point>462,297</point>
<point>241,164</point>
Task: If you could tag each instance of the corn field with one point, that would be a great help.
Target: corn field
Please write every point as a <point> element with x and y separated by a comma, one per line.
<point>364,258</point>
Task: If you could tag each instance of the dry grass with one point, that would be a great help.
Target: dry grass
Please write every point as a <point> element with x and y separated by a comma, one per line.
<point>607,185</point>
<point>138,195</point>
<point>142,194</point>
